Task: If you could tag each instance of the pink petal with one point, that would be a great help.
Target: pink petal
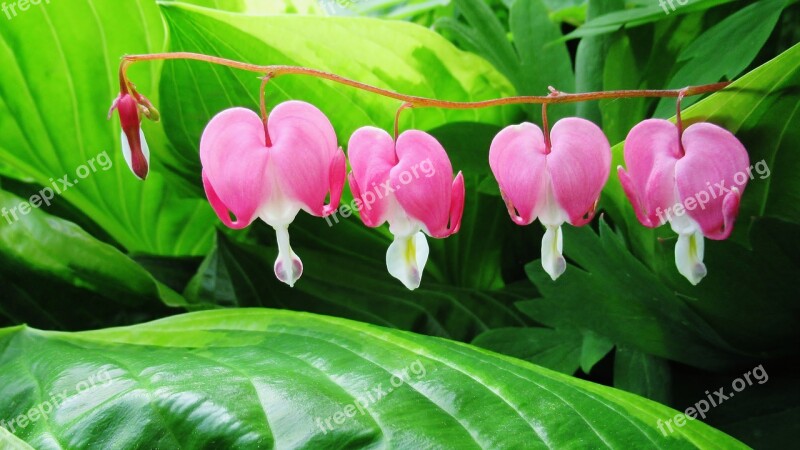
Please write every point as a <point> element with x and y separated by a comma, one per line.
<point>518,162</point>
<point>372,156</point>
<point>338,172</point>
<point>715,162</point>
<point>234,159</point>
<point>651,151</point>
<point>579,164</point>
<point>304,148</point>
<point>423,182</point>
<point>134,146</point>
<point>458,194</point>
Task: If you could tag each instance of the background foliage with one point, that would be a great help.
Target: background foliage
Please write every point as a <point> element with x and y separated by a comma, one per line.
<point>114,251</point>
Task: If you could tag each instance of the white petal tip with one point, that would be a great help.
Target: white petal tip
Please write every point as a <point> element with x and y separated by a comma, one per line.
<point>556,268</point>
<point>289,271</point>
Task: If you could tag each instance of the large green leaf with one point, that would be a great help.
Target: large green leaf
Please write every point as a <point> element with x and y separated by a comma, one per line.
<point>395,55</point>
<point>56,104</point>
<point>57,276</point>
<point>265,378</point>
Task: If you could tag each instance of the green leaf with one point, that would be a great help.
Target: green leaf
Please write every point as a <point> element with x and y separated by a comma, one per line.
<point>611,293</point>
<point>10,442</point>
<point>55,275</point>
<point>555,349</point>
<point>634,17</point>
<point>591,57</point>
<point>620,115</point>
<point>398,56</point>
<point>266,378</point>
<point>56,123</point>
<point>593,348</point>
<point>642,374</point>
<point>490,37</point>
<point>262,7</point>
<point>541,62</point>
<point>239,275</point>
<point>724,50</point>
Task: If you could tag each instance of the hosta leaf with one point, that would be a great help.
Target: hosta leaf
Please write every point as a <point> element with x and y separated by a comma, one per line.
<point>56,275</point>
<point>266,378</point>
<point>56,121</point>
<point>395,55</point>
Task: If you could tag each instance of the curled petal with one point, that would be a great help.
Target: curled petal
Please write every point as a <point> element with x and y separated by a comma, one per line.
<point>652,150</point>
<point>222,211</point>
<point>136,153</point>
<point>134,145</point>
<point>456,204</point>
<point>338,173</point>
<point>423,182</point>
<point>304,147</point>
<point>633,196</point>
<point>517,158</point>
<point>372,156</point>
<point>406,259</point>
<point>234,159</point>
<point>711,177</point>
<point>578,164</point>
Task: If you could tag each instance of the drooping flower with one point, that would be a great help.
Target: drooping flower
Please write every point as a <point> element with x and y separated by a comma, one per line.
<point>693,180</point>
<point>557,179</point>
<point>410,185</point>
<point>134,145</point>
<point>245,177</point>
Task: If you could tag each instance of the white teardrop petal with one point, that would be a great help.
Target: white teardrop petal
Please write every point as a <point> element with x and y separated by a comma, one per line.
<point>689,256</point>
<point>406,259</point>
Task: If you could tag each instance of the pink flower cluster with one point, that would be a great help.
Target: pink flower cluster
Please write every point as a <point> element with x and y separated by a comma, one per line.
<point>272,170</point>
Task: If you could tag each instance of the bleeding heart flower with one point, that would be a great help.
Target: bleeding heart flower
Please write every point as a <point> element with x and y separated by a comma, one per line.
<point>245,177</point>
<point>134,145</point>
<point>410,185</point>
<point>557,180</point>
<point>693,181</point>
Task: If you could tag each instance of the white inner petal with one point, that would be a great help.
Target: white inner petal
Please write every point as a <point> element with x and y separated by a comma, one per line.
<point>689,256</point>
<point>406,258</point>
<point>278,210</point>
<point>553,261</point>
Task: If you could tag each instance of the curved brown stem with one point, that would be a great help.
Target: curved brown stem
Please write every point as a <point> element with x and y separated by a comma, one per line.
<point>414,101</point>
